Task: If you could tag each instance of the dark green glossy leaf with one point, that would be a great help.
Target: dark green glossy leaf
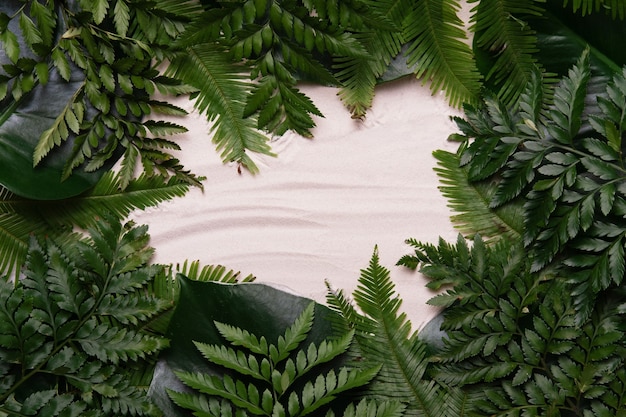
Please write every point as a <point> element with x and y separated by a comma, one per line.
<point>260,309</point>
<point>24,120</point>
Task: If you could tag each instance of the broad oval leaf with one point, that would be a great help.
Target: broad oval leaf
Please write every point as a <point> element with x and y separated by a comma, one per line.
<point>258,308</point>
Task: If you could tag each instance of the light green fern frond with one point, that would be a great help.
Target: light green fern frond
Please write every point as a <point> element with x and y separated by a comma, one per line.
<point>390,341</point>
<point>282,379</point>
<point>500,31</point>
<point>470,201</point>
<point>438,51</point>
<point>221,96</point>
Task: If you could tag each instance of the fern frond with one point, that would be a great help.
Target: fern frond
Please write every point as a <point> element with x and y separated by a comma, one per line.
<point>358,74</point>
<point>471,202</point>
<point>57,349</point>
<point>242,337</point>
<point>513,340</point>
<point>105,197</point>
<point>438,52</point>
<point>282,379</point>
<point>15,231</point>
<point>295,334</point>
<point>616,8</point>
<point>500,30</point>
<point>391,343</point>
<point>221,97</point>
<point>195,271</point>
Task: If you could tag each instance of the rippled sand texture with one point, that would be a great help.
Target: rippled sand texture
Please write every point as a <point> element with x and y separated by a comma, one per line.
<point>317,211</point>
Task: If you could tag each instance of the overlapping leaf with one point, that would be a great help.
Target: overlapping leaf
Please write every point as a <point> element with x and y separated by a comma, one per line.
<point>62,350</point>
<point>20,218</point>
<point>565,170</point>
<point>285,376</point>
<point>512,338</point>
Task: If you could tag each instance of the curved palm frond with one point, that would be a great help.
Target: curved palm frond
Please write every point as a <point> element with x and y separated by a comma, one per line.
<point>438,51</point>
<point>222,92</point>
<point>219,273</point>
<point>15,231</point>
<point>502,33</point>
<point>359,74</point>
<point>616,8</point>
<point>21,218</point>
<point>471,201</point>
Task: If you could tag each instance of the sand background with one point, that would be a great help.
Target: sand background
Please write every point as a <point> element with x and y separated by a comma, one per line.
<point>317,211</point>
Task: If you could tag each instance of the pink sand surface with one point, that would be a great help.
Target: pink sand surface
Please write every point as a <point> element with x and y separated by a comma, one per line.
<point>317,211</point>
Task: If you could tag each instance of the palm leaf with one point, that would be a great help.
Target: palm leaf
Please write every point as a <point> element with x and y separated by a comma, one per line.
<point>360,74</point>
<point>20,218</point>
<point>471,201</point>
<point>221,96</point>
<point>506,44</point>
<point>617,8</point>
<point>438,51</point>
<point>15,231</point>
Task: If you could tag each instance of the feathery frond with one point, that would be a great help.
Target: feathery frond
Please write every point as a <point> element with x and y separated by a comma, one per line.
<point>436,48</point>
<point>471,202</point>
<point>501,31</point>
<point>65,347</point>
<point>512,340</point>
<point>568,179</point>
<point>389,341</point>
<point>221,95</point>
<point>616,8</point>
<point>20,218</point>
<point>360,74</point>
<point>281,382</point>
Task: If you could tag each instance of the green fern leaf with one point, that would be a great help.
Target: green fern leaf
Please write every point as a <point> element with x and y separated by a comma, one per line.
<point>204,405</point>
<point>519,334</point>
<point>371,408</point>
<point>587,7</point>
<point>359,75</point>
<point>471,202</point>
<point>132,310</point>
<point>226,388</point>
<point>58,354</point>
<point>241,337</point>
<point>500,29</point>
<point>193,270</point>
<point>437,50</point>
<point>237,361</point>
<point>326,388</point>
<point>390,343</point>
<point>221,97</point>
<point>295,334</point>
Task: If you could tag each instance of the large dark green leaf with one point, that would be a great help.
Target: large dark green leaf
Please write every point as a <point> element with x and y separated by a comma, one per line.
<point>260,309</point>
<point>22,123</point>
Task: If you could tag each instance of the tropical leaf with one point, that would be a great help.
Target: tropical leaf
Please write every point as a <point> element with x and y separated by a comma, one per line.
<point>437,49</point>
<point>565,165</point>
<point>471,202</point>
<point>96,86</point>
<point>512,341</point>
<point>20,218</point>
<point>275,366</point>
<point>506,44</point>
<point>360,74</point>
<point>221,96</point>
<point>62,351</point>
<point>389,341</point>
